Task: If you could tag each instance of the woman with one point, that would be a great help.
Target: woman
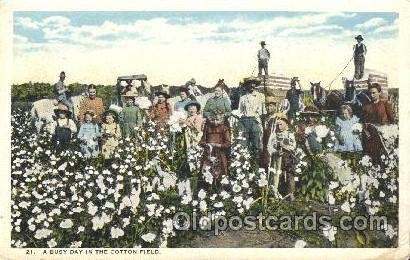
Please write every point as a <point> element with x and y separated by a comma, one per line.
<point>162,110</point>
<point>375,114</point>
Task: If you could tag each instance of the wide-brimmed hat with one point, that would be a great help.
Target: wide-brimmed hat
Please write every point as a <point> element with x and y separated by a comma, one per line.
<point>193,103</point>
<point>310,111</point>
<point>62,108</point>
<point>249,82</point>
<point>163,91</point>
<point>130,94</point>
<point>89,112</point>
<point>263,43</point>
<point>359,37</point>
<point>282,116</point>
<point>109,112</point>
<point>272,99</point>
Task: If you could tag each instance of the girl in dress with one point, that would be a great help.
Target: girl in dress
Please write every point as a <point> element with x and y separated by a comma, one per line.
<point>216,141</point>
<point>110,132</point>
<point>194,124</point>
<point>348,131</point>
<point>88,135</point>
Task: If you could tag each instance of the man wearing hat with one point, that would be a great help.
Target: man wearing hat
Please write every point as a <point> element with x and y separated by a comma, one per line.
<point>263,59</point>
<point>251,107</point>
<point>193,89</point>
<point>62,93</point>
<point>130,116</point>
<point>91,103</point>
<point>293,96</point>
<point>359,53</point>
<point>63,127</point>
<point>180,104</point>
<point>268,123</point>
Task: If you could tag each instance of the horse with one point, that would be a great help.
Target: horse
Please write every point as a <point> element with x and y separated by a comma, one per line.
<point>324,99</point>
<point>42,111</point>
<point>356,99</point>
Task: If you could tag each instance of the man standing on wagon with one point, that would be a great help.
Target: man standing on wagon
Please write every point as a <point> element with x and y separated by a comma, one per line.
<point>359,51</point>
<point>263,59</point>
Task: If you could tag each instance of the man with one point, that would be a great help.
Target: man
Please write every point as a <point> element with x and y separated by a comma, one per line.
<point>193,90</point>
<point>217,103</point>
<point>62,94</point>
<point>91,103</point>
<point>359,52</point>
<point>251,107</point>
<point>263,59</point>
<point>268,123</point>
<point>293,96</point>
<point>180,104</point>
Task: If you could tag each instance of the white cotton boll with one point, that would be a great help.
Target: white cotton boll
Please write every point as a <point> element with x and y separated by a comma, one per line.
<point>66,223</point>
<point>149,237</point>
<point>300,244</point>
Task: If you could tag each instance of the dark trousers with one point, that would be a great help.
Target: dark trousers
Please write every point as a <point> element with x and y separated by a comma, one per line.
<point>359,66</point>
<point>251,131</point>
<point>263,65</point>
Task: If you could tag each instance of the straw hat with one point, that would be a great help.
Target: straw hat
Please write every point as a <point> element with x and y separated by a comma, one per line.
<point>62,109</point>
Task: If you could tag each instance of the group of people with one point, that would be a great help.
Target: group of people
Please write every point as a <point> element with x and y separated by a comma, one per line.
<point>266,124</point>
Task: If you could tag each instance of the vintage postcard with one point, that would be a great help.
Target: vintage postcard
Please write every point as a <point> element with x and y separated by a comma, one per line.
<point>205,133</point>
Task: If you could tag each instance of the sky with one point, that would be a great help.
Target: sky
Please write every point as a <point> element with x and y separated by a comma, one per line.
<point>172,47</point>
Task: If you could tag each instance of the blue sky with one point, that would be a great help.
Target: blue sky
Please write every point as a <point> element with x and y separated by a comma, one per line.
<point>175,46</point>
<point>78,19</point>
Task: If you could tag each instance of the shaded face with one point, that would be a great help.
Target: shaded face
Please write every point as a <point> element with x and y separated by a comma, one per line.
<point>345,114</point>
<point>282,125</point>
<point>92,93</point>
<point>62,76</point>
<point>271,108</point>
<point>218,92</point>
<point>374,94</point>
<point>183,95</point>
<point>109,118</point>
<point>129,101</point>
<point>192,110</point>
<point>62,115</point>
<point>88,118</point>
<point>161,99</point>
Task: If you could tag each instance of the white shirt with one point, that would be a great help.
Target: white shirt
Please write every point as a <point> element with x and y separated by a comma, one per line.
<point>252,104</point>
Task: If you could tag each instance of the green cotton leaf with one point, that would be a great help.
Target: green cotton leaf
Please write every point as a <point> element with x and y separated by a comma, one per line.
<point>361,238</point>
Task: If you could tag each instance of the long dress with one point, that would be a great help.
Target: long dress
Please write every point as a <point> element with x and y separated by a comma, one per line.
<point>193,130</point>
<point>160,114</point>
<point>349,140</point>
<point>215,159</point>
<point>374,115</point>
<point>111,133</point>
<point>88,135</point>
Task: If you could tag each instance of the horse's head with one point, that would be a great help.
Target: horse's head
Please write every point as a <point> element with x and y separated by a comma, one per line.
<point>316,89</point>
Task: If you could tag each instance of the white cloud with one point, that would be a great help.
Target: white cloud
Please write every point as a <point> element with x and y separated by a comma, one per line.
<point>371,23</point>
<point>173,53</point>
<point>28,23</point>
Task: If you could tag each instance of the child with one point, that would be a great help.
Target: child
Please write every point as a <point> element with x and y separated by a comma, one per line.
<point>88,135</point>
<point>130,116</point>
<point>348,131</point>
<point>194,124</point>
<point>63,127</point>
<point>281,144</point>
<point>111,133</point>
<point>216,141</point>
<point>162,110</point>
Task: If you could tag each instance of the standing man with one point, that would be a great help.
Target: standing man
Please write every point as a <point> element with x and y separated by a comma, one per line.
<point>251,106</point>
<point>359,52</point>
<point>263,59</point>
<point>62,93</point>
<point>293,96</point>
<point>91,103</point>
